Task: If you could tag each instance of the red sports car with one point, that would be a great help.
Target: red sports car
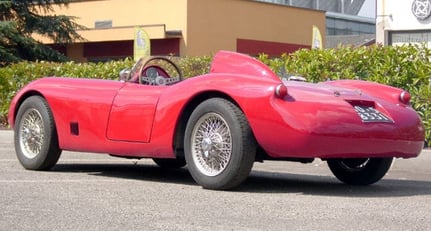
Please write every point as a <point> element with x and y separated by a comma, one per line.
<point>219,123</point>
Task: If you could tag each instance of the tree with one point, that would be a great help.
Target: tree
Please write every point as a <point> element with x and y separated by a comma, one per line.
<point>19,19</point>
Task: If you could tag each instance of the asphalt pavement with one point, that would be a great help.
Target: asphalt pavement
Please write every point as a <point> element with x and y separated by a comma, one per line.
<point>97,192</point>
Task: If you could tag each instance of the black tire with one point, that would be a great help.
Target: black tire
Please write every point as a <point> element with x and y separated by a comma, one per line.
<point>170,163</point>
<point>219,156</point>
<point>36,142</point>
<point>360,171</point>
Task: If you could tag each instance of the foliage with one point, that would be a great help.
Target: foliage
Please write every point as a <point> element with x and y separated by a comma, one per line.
<point>20,19</point>
<point>194,66</point>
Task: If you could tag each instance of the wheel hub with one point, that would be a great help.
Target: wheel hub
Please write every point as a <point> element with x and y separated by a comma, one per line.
<point>26,134</point>
<point>212,144</point>
<point>31,134</point>
<point>206,147</point>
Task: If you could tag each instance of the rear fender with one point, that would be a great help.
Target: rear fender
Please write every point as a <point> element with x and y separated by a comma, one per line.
<point>385,92</point>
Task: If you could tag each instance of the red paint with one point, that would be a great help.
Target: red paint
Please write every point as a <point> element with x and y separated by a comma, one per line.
<point>313,120</point>
<point>168,46</point>
<point>108,49</point>
<point>255,47</point>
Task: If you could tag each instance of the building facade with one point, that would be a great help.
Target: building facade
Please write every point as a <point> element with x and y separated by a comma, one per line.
<point>188,27</point>
<point>343,17</point>
<point>403,22</point>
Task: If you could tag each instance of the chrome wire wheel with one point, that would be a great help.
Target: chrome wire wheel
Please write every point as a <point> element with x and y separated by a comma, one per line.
<point>219,146</point>
<point>31,133</point>
<point>211,144</point>
<point>35,137</point>
<point>354,165</point>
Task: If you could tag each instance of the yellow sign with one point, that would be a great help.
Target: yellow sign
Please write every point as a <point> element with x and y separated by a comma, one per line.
<point>317,39</point>
<point>141,46</point>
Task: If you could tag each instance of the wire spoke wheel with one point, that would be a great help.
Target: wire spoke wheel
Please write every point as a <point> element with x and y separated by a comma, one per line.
<point>36,141</point>
<point>31,133</point>
<point>211,144</point>
<point>219,146</point>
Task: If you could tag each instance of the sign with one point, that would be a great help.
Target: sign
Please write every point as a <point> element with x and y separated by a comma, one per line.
<point>421,9</point>
<point>141,46</point>
<point>317,39</point>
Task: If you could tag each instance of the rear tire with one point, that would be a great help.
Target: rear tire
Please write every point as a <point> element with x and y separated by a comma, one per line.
<point>360,171</point>
<point>35,138</point>
<point>220,148</point>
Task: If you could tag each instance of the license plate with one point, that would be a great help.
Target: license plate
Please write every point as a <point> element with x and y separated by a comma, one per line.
<point>370,114</point>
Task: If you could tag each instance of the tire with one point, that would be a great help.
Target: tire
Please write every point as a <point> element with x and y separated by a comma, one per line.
<point>219,146</point>
<point>360,171</point>
<point>170,163</point>
<point>36,142</point>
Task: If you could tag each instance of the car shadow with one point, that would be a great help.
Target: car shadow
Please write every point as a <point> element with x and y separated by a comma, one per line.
<point>258,181</point>
<point>270,182</point>
<point>147,172</point>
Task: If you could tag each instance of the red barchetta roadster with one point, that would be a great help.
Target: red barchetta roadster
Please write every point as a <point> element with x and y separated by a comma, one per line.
<point>218,123</point>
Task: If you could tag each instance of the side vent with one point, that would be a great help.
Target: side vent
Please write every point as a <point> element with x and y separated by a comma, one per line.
<point>74,128</point>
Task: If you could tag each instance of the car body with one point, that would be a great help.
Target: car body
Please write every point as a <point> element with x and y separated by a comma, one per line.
<point>218,123</point>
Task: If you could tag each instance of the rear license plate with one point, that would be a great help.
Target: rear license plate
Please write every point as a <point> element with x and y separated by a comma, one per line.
<point>370,114</point>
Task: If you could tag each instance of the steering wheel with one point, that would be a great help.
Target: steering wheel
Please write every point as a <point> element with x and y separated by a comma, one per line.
<point>152,73</point>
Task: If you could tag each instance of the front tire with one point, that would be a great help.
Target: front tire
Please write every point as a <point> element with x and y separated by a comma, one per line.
<point>219,146</point>
<point>35,138</point>
<point>360,171</point>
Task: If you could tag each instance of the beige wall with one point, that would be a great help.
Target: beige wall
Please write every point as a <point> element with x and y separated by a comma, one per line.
<point>217,25</point>
<point>129,13</point>
<point>206,25</point>
<point>157,16</point>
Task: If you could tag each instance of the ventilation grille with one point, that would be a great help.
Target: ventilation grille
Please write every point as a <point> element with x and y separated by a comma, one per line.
<point>103,24</point>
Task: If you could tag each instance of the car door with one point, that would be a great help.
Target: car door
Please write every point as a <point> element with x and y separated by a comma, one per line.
<point>132,113</point>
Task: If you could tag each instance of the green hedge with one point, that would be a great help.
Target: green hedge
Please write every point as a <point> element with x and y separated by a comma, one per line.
<point>407,67</point>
